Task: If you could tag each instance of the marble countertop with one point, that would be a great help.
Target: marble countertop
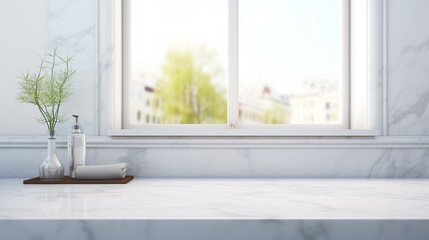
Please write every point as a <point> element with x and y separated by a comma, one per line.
<point>219,199</point>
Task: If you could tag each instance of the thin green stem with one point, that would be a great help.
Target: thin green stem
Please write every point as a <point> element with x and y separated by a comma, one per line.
<point>61,90</point>
<point>48,88</point>
<point>53,100</point>
<point>37,100</point>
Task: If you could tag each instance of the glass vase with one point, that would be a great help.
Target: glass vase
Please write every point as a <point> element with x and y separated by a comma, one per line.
<point>51,168</point>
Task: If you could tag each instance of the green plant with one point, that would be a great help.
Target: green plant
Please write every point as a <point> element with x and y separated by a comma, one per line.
<point>186,89</point>
<point>48,88</point>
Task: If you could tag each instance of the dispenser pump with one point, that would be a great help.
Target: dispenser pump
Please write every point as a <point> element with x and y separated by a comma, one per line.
<point>76,147</point>
<point>77,128</point>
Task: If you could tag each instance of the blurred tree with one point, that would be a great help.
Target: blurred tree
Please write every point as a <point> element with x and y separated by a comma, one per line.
<point>275,114</point>
<point>186,89</point>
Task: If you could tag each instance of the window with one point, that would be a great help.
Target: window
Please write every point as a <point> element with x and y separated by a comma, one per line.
<point>289,54</point>
<point>139,115</point>
<point>179,56</point>
<point>248,63</point>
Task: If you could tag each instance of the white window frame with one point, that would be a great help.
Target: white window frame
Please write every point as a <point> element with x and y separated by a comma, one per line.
<point>231,129</point>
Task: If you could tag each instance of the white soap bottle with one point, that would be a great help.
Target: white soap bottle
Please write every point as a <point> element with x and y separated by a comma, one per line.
<point>76,147</point>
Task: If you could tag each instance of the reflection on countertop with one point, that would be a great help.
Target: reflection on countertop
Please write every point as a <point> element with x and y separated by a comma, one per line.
<point>219,199</point>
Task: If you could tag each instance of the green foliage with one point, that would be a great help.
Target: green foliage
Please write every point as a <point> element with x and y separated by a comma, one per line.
<point>186,89</point>
<point>274,115</point>
<point>48,87</point>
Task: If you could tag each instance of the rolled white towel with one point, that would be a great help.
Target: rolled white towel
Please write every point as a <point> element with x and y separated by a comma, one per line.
<point>110,171</point>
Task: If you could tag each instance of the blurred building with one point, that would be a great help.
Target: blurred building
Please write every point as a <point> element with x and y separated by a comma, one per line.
<point>258,105</point>
<point>144,108</point>
<point>315,102</point>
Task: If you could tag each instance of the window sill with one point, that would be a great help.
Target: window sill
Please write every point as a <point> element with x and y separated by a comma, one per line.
<point>186,142</point>
<point>243,133</point>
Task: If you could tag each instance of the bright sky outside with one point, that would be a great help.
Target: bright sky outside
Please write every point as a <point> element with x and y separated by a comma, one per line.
<point>282,42</point>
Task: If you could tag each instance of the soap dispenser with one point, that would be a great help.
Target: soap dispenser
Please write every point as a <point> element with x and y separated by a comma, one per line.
<point>76,147</point>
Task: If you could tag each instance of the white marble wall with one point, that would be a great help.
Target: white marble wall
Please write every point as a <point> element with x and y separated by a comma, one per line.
<point>215,229</point>
<point>408,67</point>
<point>239,162</point>
<point>73,25</point>
<point>19,48</point>
<point>72,28</point>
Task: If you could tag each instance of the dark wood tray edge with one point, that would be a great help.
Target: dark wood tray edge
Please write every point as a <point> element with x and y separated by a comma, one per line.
<point>69,180</point>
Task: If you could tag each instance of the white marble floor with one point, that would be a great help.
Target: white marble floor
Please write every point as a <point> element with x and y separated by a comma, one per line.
<point>228,199</point>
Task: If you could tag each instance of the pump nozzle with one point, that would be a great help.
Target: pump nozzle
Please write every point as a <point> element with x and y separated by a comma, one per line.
<point>76,126</point>
<point>77,118</point>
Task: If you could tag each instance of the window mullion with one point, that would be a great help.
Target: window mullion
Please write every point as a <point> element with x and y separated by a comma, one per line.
<point>233,63</point>
<point>345,82</point>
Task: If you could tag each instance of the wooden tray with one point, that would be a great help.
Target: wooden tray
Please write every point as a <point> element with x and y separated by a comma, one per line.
<point>69,180</point>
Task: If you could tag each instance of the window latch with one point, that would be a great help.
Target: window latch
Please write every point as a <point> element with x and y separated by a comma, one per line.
<point>232,125</point>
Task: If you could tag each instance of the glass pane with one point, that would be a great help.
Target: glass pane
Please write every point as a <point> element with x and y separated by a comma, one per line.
<point>178,58</point>
<point>290,63</point>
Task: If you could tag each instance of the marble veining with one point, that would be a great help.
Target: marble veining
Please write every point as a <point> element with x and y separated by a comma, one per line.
<point>408,58</point>
<point>417,109</point>
<point>152,199</point>
<point>237,162</point>
<point>299,209</point>
<point>400,164</point>
<point>407,110</point>
<point>214,229</point>
<point>76,36</point>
